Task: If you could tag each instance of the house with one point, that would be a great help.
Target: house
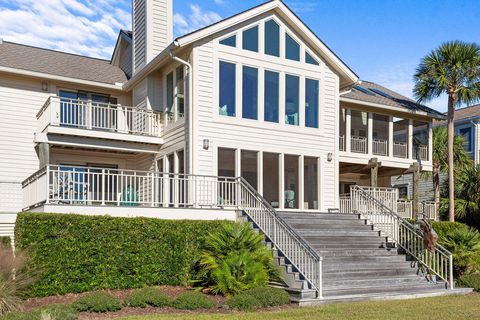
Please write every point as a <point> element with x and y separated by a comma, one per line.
<point>252,115</point>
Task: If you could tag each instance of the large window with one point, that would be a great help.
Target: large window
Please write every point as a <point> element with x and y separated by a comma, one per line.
<point>311,103</point>
<point>292,91</point>
<point>250,93</point>
<point>271,178</point>
<point>250,39</point>
<point>310,181</point>
<point>272,38</point>
<point>227,89</point>
<point>467,135</point>
<point>292,48</point>
<point>170,93</point>
<point>226,162</point>
<point>249,167</point>
<point>291,182</point>
<point>272,86</point>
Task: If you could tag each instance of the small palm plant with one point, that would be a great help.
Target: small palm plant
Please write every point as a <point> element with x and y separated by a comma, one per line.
<point>235,259</point>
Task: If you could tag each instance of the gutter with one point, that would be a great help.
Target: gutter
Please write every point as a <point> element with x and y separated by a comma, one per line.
<point>191,144</point>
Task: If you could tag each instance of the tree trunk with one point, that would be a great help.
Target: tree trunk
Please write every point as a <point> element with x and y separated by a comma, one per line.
<point>436,183</point>
<point>451,176</point>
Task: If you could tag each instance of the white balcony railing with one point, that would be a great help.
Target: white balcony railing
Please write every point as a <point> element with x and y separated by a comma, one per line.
<point>420,152</point>
<point>400,149</point>
<point>88,114</point>
<point>358,144</point>
<point>341,141</point>
<point>380,147</point>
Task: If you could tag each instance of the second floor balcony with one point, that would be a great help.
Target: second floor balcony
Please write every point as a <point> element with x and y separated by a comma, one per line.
<point>99,117</point>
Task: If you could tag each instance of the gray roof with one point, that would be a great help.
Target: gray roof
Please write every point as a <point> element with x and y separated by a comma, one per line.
<point>371,92</point>
<point>19,56</point>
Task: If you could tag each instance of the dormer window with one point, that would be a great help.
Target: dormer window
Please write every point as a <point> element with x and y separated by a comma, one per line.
<point>292,48</point>
<point>272,38</point>
<point>230,41</point>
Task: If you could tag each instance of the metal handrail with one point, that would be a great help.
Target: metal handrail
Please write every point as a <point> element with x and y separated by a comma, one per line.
<point>440,262</point>
<point>310,270</point>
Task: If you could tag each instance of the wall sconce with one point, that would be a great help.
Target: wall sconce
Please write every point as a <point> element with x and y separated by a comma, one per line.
<point>329,157</point>
<point>44,86</point>
<point>206,144</point>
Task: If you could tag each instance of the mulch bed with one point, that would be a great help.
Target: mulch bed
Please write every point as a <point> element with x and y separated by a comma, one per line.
<point>171,291</point>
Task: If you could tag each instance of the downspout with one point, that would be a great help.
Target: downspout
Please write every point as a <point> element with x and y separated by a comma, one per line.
<point>191,144</point>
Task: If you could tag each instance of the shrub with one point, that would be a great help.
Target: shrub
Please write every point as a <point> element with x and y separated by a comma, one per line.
<point>142,298</point>
<point>235,259</point>
<point>14,280</point>
<point>50,312</point>
<point>464,243</point>
<point>192,300</point>
<point>97,302</point>
<point>5,242</point>
<point>470,281</point>
<point>259,298</point>
<point>100,252</point>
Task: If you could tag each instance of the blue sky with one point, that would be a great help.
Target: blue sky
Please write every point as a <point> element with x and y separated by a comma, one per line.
<point>381,40</point>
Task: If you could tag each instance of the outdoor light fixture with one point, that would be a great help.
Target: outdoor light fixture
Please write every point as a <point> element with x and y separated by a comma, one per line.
<point>206,144</point>
<point>329,157</point>
<point>44,86</point>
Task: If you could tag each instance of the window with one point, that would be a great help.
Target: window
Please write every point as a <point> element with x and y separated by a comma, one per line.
<point>466,133</point>
<point>230,41</point>
<point>310,60</point>
<point>311,103</point>
<point>272,86</point>
<point>271,178</point>
<point>292,88</point>
<point>291,182</point>
<point>272,38</point>
<point>310,182</point>
<point>180,93</point>
<point>226,162</point>
<point>250,93</point>
<point>169,92</point>
<point>250,39</point>
<point>292,48</point>
<point>249,167</point>
<point>227,89</point>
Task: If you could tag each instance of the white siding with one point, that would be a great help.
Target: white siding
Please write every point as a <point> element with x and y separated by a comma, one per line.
<point>260,135</point>
<point>139,34</point>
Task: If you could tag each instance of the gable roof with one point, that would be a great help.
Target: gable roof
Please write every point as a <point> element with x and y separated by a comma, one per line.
<point>23,57</point>
<point>371,92</point>
<point>464,114</point>
<point>347,76</point>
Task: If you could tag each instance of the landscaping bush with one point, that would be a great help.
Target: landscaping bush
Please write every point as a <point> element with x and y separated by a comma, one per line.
<point>143,298</point>
<point>50,312</point>
<point>192,300</point>
<point>97,302</point>
<point>235,259</point>
<point>82,253</point>
<point>470,281</point>
<point>5,242</point>
<point>464,243</point>
<point>253,299</point>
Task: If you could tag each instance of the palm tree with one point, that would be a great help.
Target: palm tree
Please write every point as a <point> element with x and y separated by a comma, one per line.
<point>440,156</point>
<point>453,69</point>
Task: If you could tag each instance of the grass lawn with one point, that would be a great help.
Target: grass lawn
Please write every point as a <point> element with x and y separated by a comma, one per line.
<point>449,308</point>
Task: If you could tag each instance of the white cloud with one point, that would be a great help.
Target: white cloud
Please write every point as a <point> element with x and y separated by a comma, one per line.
<point>196,19</point>
<point>219,2</point>
<point>84,27</point>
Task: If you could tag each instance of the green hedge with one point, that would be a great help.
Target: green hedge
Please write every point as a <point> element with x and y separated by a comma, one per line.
<point>78,253</point>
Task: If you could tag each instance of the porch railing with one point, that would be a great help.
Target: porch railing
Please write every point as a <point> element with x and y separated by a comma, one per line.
<point>400,149</point>
<point>342,146</point>
<point>345,203</point>
<point>104,186</point>
<point>380,147</point>
<point>358,144</point>
<point>420,152</point>
<point>403,233</point>
<point>88,114</point>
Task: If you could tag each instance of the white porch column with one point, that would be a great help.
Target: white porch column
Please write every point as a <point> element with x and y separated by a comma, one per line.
<point>281,182</point>
<point>301,184</point>
<point>238,162</point>
<point>410,139</point>
<point>319,183</point>
<point>175,177</point>
<point>260,172</point>
<point>430,142</point>
<point>348,129</point>
<point>166,182</point>
<point>390,136</point>
<point>370,133</point>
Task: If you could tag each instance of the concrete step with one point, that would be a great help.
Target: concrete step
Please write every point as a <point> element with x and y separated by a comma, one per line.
<point>346,252</point>
<point>348,246</point>
<point>361,274</point>
<point>406,288</point>
<point>365,265</point>
<point>339,233</point>
<point>326,222</point>
<point>320,216</point>
<point>373,281</point>
<point>348,239</point>
<point>333,227</point>
<point>364,258</point>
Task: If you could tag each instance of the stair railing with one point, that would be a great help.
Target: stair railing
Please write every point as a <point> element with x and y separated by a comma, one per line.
<point>404,234</point>
<point>293,247</point>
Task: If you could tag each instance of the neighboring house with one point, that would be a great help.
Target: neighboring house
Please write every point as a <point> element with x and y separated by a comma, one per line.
<point>165,128</point>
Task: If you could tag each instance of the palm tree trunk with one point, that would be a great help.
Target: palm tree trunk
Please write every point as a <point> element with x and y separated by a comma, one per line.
<point>451,176</point>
